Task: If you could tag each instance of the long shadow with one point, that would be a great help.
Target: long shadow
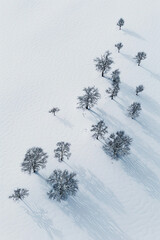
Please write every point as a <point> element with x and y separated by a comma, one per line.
<point>150,126</point>
<point>65,122</point>
<point>42,177</point>
<point>98,190</point>
<point>95,114</point>
<point>142,174</point>
<point>133,34</point>
<point>44,184</point>
<point>154,75</point>
<point>128,57</point>
<point>39,216</point>
<point>149,104</point>
<point>143,148</point>
<point>90,217</point>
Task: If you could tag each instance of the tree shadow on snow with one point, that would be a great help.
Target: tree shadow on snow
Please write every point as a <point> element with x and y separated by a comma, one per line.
<point>150,126</point>
<point>65,122</point>
<point>90,217</point>
<point>150,105</point>
<point>128,57</point>
<point>39,216</point>
<point>143,149</point>
<point>142,174</point>
<point>98,190</point>
<point>154,75</point>
<point>133,34</point>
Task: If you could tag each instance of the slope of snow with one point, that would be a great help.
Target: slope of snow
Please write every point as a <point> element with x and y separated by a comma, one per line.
<point>46,59</point>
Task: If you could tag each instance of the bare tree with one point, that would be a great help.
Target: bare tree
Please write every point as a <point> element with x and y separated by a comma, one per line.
<point>63,185</point>
<point>134,110</point>
<point>89,99</point>
<point>140,56</point>
<point>100,129</point>
<point>19,194</point>
<point>115,78</point>
<point>103,64</point>
<point>62,151</point>
<point>139,89</point>
<point>120,23</point>
<point>117,145</point>
<point>34,160</point>
<point>119,46</point>
<point>54,110</point>
<point>113,91</point>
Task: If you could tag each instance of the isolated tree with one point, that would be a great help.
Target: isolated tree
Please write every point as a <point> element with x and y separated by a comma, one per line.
<point>115,78</point>
<point>19,194</point>
<point>103,64</point>
<point>120,23</point>
<point>54,110</point>
<point>63,185</point>
<point>117,145</point>
<point>134,110</point>
<point>34,160</point>
<point>119,46</point>
<point>62,151</point>
<point>100,129</point>
<point>89,99</point>
<point>139,89</point>
<point>113,91</point>
<point>140,56</point>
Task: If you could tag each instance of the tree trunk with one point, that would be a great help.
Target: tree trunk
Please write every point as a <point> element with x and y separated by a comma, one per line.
<point>119,27</point>
<point>102,74</point>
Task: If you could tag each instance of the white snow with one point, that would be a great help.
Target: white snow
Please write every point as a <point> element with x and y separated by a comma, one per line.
<point>47,49</point>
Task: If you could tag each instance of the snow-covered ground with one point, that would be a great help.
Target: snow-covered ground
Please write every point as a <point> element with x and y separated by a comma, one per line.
<point>47,49</point>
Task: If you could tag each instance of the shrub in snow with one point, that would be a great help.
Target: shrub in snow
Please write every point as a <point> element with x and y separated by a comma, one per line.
<point>19,194</point>
<point>113,91</point>
<point>115,78</point>
<point>62,151</point>
<point>54,110</point>
<point>115,84</point>
<point>34,160</point>
<point>120,23</point>
<point>140,56</point>
<point>63,185</point>
<point>134,110</point>
<point>139,89</point>
<point>117,145</point>
<point>103,64</point>
<point>89,99</point>
<point>100,129</point>
<point>119,46</point>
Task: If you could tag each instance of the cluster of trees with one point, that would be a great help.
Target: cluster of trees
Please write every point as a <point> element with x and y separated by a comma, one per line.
<point>115,81</point>
<point>117,145</point>
<point>91,97</point>
<point>63,184</point>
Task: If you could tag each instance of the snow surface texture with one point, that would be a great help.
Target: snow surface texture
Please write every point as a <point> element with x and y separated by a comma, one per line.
<point>47,49</point>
